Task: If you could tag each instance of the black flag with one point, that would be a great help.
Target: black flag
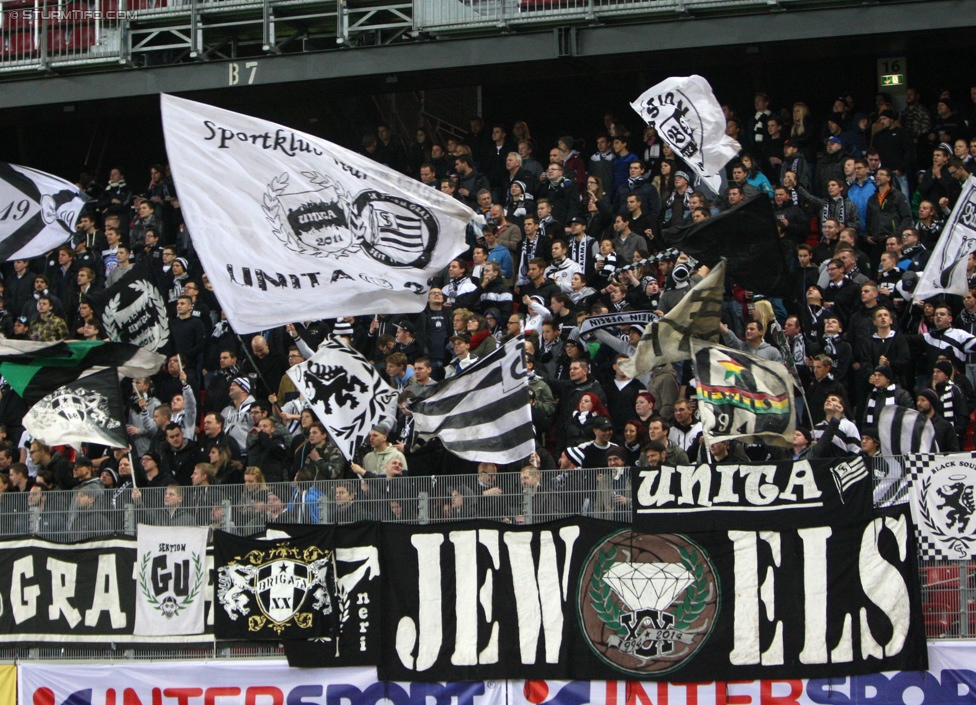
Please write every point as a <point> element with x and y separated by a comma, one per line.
<point>746,236</point>
<point>133,311</point>
<point>88,410</point>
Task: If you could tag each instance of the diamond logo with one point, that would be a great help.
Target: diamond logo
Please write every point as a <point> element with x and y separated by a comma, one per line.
<point>648,585</point>
<point>647,603</point>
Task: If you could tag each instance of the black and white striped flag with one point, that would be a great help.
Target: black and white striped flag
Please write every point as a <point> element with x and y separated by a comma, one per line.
<point>905,431</point>
<point>482,414</point>
<point>37,211</point>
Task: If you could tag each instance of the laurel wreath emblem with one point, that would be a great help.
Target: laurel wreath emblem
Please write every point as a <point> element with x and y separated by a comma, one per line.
<point>686,613</point>
<point>923,508</point>
<point>696,596</point>
<point>274,213</point>
<point>601,595</point>
<point>186,601</point>
<point>108,318</point>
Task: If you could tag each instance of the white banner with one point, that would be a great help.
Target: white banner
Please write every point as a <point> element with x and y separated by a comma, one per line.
<point>234,683</point>
<point>37,211</point>
<point>346,393</point>
<point>943,504</point>
<point>690,120</point>
<point>945,272</point>
<point>171,577</point>
<point>288,225</point>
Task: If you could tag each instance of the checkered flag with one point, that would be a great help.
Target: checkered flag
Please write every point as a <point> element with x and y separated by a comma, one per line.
<point>934,545</point>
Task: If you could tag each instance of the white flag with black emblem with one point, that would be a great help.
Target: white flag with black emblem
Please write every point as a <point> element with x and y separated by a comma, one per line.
<point>945,272</point>
<point>285,221</point>
<point>171,574</point>
<point>346,393</point>
<point>690,120</point>
<point>37,211</point>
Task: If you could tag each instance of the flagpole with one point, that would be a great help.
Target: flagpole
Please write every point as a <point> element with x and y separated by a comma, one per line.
<point>132,467</point>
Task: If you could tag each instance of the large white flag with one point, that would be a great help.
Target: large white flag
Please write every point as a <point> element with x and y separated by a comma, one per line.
<point>346,392</point>
<point>288,224</point>
<point>945,272</point>
<point>37,211</point>
<point>690,120</point>
<point>171,574</point>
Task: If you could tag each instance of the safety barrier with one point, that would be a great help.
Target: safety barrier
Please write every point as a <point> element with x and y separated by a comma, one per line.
<point>948,588</point>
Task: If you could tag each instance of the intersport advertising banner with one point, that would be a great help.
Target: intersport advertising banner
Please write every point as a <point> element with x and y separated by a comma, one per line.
<point>234,683</point>
<point>950,680</point>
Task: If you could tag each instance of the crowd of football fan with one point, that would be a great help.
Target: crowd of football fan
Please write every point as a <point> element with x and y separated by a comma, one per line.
<point>859,198</point>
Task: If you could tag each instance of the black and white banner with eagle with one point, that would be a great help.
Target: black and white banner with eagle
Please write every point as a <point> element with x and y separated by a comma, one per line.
<point>690,120</point>
<point>88,410</point>
<point>133,310</point>
<point>283,220</point>
<point>37,211</point>
<point>346,393</point>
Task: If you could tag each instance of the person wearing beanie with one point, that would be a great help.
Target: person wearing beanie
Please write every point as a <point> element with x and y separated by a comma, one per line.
<point>613,488</point>
<point>951,397</point>
<point>571,458</point>
<point>927,403</point>
<point>871,442</point>
<point>884,392</point>
<point>237,415</point>
<point>802,438</point>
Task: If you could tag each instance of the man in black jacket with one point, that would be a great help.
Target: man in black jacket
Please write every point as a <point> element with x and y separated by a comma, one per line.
<point>929,405</point>
<point>180,455</point>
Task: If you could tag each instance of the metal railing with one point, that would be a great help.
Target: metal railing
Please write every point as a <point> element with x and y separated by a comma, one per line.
<point>948,588</point>
<point>42,35</point>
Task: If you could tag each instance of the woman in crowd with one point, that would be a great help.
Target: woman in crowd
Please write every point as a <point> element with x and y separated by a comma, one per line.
<point>580,425</point>
<point>802,133</point>
<point>229,472</point>
<point>635,438</point>
<point>755,177</point>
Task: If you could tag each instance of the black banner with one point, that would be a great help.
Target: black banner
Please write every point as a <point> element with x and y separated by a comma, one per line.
<point>133,310</point>
<point>72,594</point>
<point>276,588</point>
<point>589,600</point>
<point>357,549</point>
<point>751,496</point>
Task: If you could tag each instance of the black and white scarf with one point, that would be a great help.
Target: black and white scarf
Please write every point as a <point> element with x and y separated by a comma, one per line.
<point>529,248</point>
<point>839,211</point>
<point>581,250</point>
<point>830,345</point>
<point>946,398</point>
<point>877,398</point>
